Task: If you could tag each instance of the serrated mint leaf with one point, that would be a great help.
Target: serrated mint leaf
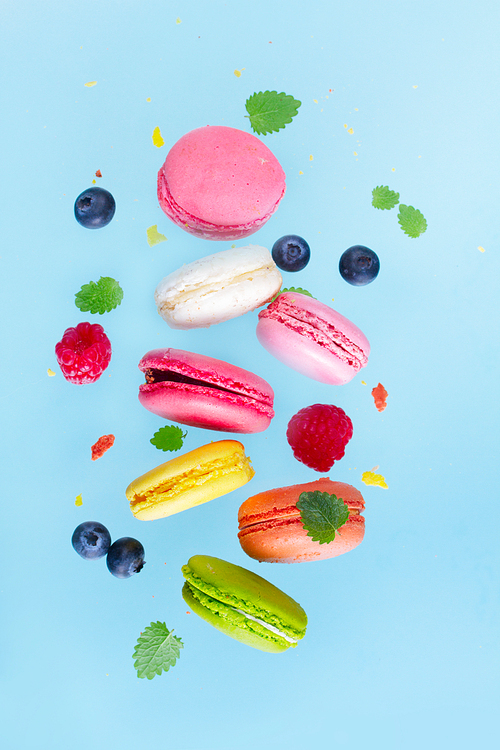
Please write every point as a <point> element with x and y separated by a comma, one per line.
<point>384,198</point>
<point>411,220</point>
<point>269,111</point>
<point>322,514</point>
<point>168,438</point>
<point>156,651</point>
<point>293,289</point>
<point>99,297</point>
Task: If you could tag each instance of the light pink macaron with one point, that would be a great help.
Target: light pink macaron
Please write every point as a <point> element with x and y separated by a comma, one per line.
<point>201,391</point>
<point>312,338</point>
<point>220,183</point>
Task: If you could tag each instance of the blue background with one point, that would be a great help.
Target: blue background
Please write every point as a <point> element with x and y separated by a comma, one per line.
<point>402,644</point>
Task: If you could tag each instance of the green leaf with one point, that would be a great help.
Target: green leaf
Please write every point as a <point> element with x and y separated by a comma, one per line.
<point>411,220</point>
<point>168,438</point>
<point>269,111</point>
<point>384,198</point>
<point>99,297</point>
<point>293,289</point>
<point>322,514</point>
<point>156,651</point>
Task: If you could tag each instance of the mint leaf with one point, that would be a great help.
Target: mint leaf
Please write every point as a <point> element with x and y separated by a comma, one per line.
<point>99,297</point>
<point>411,220</point>
<point>293,289</point>
<point>168,438</point>
<point>322,514</point>
<point>384,198</point>
<point>269,111</point>
<point>156,651</point>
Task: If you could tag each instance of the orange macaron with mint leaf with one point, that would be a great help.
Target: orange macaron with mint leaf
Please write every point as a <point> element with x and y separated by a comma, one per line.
<point>302,523</point>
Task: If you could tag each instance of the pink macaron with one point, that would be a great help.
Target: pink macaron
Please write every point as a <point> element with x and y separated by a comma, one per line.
<point>312,338</point>
<point>220,183</point>
<point>201,391</point>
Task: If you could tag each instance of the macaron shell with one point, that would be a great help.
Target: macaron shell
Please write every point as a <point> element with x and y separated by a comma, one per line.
<point>239,400</point>
<point>220,183</point>
<point>218,287</point>
<point>196,477</point>
<point>308,343</point>
<point>271,528</point>
<point>245,585</point>
<point>243,635</point>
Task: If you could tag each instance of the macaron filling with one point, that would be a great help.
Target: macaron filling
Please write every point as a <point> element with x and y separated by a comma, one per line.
<point>241,613</point>
<point>157,378</point>
<point>306,323</point>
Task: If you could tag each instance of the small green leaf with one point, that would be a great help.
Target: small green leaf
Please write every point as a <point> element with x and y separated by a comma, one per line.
<point>156,651</point>
<point>269,111</point>
<point>322,514</point>
<point>293,289</point>
<point>411,220</point>
<point>168,438</point>
<point>99,297</point>
<point>384,198</point>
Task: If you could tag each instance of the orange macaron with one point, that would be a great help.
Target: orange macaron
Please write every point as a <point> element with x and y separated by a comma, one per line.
<point>271,527</point>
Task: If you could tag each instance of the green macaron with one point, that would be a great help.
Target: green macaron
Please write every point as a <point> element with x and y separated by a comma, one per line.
<point>242,605</point>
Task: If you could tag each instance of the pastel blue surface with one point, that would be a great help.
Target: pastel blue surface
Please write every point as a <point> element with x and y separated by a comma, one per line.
<point>402,646</point>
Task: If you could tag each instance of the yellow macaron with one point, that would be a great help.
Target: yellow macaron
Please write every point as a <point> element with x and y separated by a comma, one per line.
<point>194,478</point>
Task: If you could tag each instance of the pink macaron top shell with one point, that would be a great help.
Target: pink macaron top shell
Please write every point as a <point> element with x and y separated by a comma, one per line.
<point>220,183</point>
<point>201,391</point>
<point>312,338</point>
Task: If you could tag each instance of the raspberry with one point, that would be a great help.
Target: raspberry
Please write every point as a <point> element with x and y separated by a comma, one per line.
<point>83,353</point>
<point>318,435</point>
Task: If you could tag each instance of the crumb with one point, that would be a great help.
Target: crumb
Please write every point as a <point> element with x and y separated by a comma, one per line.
<point>90,84</point>
<point>481,249</point>
<point>154,236</point>
<point>50,373</point>
<point>103,444</point>
<point>157,138</point>
<point>78,500</point>
<point>376,480</point>
<point>98,173</point>
<point>380,397</point>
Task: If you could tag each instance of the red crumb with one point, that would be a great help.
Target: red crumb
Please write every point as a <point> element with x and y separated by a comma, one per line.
<point>380,397</point>
<point>103,444</point>
<point>98,173</point>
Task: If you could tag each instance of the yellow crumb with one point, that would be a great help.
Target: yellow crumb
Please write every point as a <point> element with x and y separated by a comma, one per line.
<point>238,73</point>
<point>393,169</point>
<point>376,480</point>
<point>315,101</point>
<point>415,87</point>
<point>363,382</point>
<point>154,236</point>
<point>178,21</point>
<point>355,153</point>
<point>90,84</point>
<point>78,500</point>
<point>157,138</point>
<point>50,373</point>
<point>148,99</point>
<point>311,157</point>
<point>481,249</point>
<point>300,171</point>
<point>350,131</point>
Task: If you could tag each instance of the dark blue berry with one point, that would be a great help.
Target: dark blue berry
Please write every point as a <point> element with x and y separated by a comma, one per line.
<point>94,208</point>
<point>291,253</point>
<point>125,557</point>
<point>91,540</point>
<point>359,265</point>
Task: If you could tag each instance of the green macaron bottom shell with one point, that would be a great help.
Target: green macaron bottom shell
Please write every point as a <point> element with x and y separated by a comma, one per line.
<point>242,605</point>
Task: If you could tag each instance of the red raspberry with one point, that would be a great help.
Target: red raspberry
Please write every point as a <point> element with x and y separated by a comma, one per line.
<point>83,353</point>
<point>318,435</point>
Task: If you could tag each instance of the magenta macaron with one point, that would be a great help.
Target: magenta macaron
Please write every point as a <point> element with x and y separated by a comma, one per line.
<point>220,183</point>
<point>312,338</point>
<point>201,391</point>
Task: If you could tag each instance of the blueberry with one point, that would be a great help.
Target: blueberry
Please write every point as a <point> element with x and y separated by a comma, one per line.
<point>91,540</point>
<point>94,208</point>
<point>291,253</point>
<point>359,265</point>
<point>125,557</point>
